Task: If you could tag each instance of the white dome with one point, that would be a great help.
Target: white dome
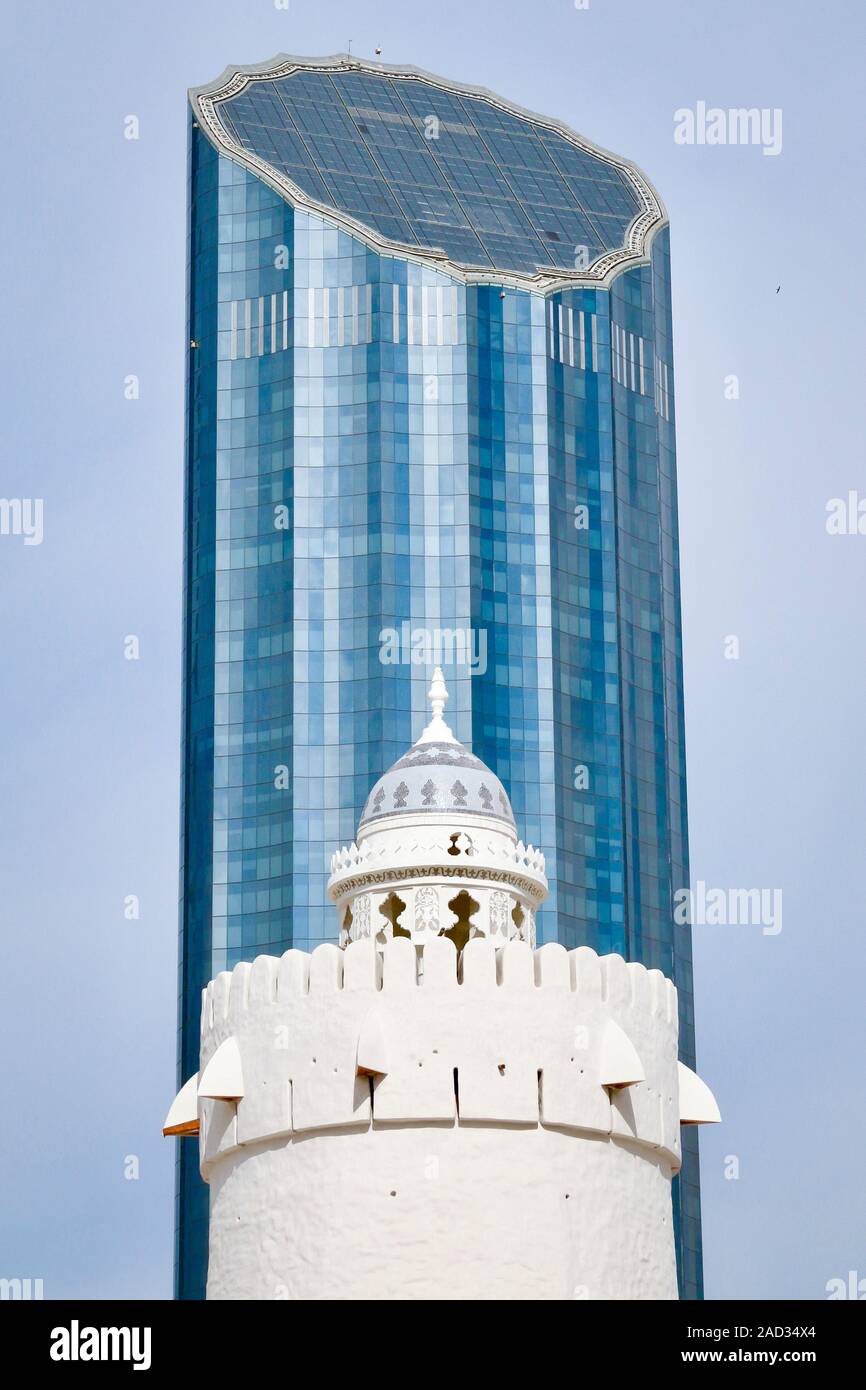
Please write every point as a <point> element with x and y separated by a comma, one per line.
<point>438,775</point>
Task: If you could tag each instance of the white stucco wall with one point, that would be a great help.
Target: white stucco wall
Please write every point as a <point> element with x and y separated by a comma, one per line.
<point>476,1213</point>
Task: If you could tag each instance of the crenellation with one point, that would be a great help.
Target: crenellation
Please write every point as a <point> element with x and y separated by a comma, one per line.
<point>616,988</point>
<point>326,969</point>
<point>483,964</point>
<point>586,977</point>
<point>438,965</point>
<point>361,966</point>
<point>659,1003</point>
<point>239,992</point>
<point>515,966</point>
<point>221,989</point>
<point>399,966</point>
<point>476,967</point>
<point>293,976</point>
<point>639,986</point>
<point>671,1012</point>
<point>523,1032</point>
<point>551,967</point>
<point>263,981</point>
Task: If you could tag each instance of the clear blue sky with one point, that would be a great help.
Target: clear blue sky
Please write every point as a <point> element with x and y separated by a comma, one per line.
<point>93,260</point>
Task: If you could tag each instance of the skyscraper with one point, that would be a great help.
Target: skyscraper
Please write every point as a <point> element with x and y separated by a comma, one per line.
<point>430,420</point>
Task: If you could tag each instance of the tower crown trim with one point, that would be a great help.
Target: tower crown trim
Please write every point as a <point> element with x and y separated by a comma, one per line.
<point>651,216</point>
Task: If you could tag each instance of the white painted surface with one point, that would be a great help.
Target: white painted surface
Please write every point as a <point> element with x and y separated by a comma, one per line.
<point>223,1078</point>
<point>182,1118</point>
<point>619,1063</point>
<point>697,1103</point>
<point>477,1213</point>
<point>372,1048</point>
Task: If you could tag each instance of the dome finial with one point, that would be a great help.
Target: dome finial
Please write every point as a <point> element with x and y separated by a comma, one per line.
<point>437,731</point>
<point>438,693</point>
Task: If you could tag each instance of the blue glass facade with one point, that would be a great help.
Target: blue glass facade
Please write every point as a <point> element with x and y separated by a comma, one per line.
<point>381,456</point>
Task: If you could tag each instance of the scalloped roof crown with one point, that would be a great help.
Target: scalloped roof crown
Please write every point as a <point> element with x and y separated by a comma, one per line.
<point>436,170</point>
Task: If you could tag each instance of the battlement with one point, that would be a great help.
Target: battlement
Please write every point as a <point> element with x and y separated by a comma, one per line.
<point>402,1035</point>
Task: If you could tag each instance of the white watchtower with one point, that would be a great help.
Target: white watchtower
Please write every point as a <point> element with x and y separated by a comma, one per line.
<point>435,1109</point>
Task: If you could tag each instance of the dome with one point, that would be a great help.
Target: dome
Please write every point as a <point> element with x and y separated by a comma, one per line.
<point>438,776</point>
